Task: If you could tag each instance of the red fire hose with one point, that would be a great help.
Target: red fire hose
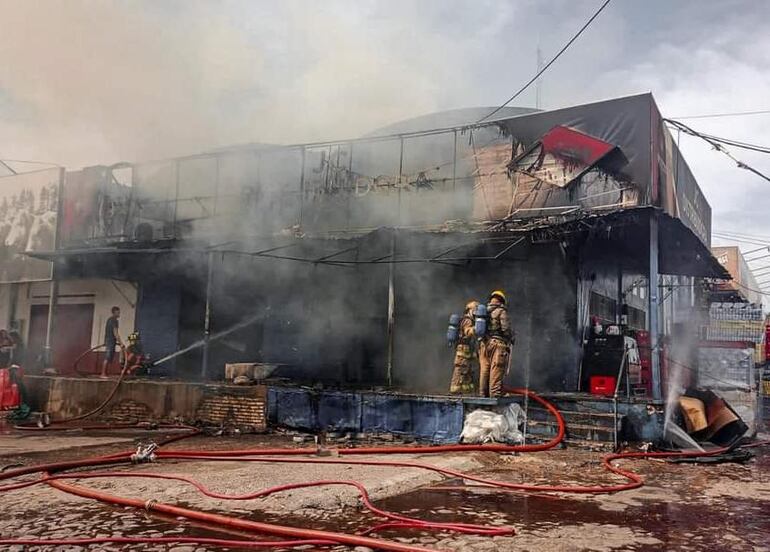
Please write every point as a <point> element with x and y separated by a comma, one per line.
<point>82,356</point>
<point>165,540</point>
<point>307,536</point>
<point>94,411</point>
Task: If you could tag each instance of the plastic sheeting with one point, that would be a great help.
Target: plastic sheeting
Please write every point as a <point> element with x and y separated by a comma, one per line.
<point>484,426</point>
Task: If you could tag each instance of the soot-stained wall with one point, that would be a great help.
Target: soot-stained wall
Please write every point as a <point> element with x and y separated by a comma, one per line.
<point>320,322</point>
<point>540,284</point>
<point>329,323</point>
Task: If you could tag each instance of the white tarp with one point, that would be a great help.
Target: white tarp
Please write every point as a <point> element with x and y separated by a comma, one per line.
<point>484,426</point>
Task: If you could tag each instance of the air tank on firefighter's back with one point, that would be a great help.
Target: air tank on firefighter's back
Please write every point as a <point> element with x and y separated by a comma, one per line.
<point>452,332</point>
<point>480,320</point>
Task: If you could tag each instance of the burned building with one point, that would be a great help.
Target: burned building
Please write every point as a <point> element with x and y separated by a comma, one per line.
<point>340,262</point>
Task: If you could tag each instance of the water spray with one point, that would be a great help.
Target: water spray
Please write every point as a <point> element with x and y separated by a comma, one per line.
<point>201,342</point>
<point>675,388</point>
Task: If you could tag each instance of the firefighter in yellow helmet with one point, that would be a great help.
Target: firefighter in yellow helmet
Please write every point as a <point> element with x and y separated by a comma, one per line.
<point>465,354</point>
<point>495,347</point>
<point>134,353</point>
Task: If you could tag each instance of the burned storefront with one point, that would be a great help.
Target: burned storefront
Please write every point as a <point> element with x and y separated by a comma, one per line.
<point>339,263</point>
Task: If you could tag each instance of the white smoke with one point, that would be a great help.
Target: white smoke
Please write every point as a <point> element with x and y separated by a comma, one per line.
<point>98,82</point>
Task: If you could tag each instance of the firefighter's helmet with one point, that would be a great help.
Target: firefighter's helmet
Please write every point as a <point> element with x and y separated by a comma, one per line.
<point>471,306</point>
<point>499,294</point>
<point>133,337</point>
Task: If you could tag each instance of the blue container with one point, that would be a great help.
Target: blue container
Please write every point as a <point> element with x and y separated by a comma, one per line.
<point>453,331</point>
<point>480,320</point>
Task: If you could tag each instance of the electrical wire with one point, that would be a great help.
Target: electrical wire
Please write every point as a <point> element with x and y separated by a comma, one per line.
<point>752,241</point>
<point>8,167</point>
<point>726,141</point>
<point>738,144</point>
<point>717,146</point>
<point>757,258</point>
<point>741,240</point>
<point>713,138</point>
<point>745,235</point>
<point>716,115</point>
<point>763,293</point>
<point>30,162</point>
<point>547,65</point>
<point>696,372</point>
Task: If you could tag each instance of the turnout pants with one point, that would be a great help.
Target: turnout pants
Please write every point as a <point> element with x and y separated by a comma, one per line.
<point>493,360</point>
<point>462,375</point>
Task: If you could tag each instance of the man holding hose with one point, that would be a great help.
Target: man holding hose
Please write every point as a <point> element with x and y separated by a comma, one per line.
<point>111,339</point>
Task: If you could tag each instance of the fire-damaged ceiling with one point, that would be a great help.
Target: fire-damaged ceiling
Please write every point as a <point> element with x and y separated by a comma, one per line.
<point>625,233</point>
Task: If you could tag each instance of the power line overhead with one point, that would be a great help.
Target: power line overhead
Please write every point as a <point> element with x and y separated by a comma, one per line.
<point>717,144</point>
<point>547,65</point>
<point>717,115</point>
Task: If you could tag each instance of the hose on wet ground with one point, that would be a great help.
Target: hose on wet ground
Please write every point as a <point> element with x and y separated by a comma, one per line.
<point>52,476</point>
<point>393,520</point>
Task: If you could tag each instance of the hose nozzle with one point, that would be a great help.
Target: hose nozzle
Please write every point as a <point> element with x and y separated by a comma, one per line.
<point>144,453</point>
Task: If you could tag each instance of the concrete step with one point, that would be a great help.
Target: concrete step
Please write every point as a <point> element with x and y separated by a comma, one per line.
<point>569,442</point>
<point>587,432</point>
<point>589,405</point>
<point>603,446</point>
<point>571,417</point>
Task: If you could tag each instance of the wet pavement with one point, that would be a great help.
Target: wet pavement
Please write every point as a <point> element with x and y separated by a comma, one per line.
<point>682,507</point>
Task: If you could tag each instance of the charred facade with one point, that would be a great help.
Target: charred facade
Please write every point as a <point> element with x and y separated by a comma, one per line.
<point>342,261</point>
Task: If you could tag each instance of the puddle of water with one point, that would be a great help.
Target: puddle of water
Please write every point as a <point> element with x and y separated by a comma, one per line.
<point>678,523</point>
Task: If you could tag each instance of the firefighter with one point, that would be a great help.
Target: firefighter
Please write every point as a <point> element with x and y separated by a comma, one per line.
<point>135,358</point>
<point>465,354</point>
<point>495,347</point>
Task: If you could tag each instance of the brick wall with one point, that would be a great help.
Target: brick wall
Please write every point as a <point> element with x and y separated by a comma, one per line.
<point>149,400</point>
<point>238,409</point>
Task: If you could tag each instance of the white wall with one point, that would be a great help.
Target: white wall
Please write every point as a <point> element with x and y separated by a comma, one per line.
<point>5,305</point>
<point>103,294</point>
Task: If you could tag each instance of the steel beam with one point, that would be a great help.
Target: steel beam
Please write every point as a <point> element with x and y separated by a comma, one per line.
<point>207,316</point>
<point>653,321</point>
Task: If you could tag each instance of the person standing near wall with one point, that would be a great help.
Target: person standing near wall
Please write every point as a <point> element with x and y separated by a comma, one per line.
<point>465,354</point>
<point>18,352</point>
<point>6,347</point>
<point>111,339</point>
<point>495,348</point>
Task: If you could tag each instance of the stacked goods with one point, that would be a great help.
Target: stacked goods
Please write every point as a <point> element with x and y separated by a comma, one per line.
<point>738,322</point>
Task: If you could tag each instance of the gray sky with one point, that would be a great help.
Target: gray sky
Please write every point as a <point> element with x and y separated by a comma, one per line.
<point>87,82</point>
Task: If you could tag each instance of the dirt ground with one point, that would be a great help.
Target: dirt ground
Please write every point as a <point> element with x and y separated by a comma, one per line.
<point>681,506</point>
